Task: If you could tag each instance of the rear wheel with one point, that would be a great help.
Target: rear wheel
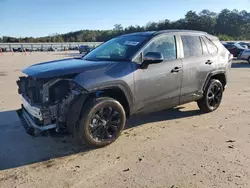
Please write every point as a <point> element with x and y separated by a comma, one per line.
<point>212,96</point>
<point>248,59</point>
<point>102,121</point>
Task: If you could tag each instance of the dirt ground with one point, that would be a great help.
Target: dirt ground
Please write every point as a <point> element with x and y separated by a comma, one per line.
<point>174,148</point>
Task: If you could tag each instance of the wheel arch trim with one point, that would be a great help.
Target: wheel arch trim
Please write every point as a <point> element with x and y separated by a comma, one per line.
<point>125,89</point>
<point>211,74</point>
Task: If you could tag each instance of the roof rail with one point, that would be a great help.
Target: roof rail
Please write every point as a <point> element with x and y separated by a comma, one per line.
<point>179,30</point>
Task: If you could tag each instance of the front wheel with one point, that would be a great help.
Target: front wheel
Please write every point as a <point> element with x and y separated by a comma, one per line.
<point>248,59</point>
<point>101,122</point>
<point>212,96</point>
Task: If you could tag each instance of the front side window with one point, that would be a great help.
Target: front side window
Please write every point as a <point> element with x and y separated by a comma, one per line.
<point>191,45</point>
<point>120,48</point>
<point>165,45</point>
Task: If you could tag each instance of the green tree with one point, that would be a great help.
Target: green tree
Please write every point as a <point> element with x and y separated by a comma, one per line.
<point>59,38</point>
<point>207,20</point>
<point>192,21</point>
<point>118,27</point>
<point>152,26</point>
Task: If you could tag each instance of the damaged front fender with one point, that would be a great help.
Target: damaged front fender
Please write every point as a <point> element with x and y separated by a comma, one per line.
<point>74,112</point>
<point>46,103</point>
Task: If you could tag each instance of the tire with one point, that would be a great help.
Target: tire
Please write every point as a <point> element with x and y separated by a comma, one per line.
<point>248,59</point>
<point>212,97</point>
<point>96,127</point>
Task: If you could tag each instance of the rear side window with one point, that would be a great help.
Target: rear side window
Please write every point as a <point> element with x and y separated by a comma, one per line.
<point>191,45</point>
<point>210,45</point>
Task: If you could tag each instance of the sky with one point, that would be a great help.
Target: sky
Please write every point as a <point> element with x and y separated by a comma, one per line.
<point>21,18</point>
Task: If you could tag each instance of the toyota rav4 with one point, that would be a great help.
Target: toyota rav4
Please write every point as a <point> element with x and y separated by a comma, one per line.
<point>91,97</point>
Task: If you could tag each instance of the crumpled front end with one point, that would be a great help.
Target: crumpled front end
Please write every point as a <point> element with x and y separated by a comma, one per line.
<point>46,103</point>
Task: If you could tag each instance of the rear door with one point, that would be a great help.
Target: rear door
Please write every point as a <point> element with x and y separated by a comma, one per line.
<point>198,62</point>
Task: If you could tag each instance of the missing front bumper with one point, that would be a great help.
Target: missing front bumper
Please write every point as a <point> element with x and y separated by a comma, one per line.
<point>29,124</point>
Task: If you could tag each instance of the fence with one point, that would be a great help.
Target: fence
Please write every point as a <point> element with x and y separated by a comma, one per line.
<point>45,46</point>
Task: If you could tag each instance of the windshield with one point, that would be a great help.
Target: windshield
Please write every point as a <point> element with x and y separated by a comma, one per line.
<point>120,48</point>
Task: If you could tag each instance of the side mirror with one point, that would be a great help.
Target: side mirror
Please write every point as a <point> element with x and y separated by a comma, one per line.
<point>152,58</point>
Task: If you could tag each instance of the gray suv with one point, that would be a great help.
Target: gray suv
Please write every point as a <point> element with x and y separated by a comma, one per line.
<point>91,97</point>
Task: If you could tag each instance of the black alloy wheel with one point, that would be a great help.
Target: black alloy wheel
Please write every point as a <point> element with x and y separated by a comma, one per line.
<point>214,95</point>
<point>104,124</point>
<point>102,121</point>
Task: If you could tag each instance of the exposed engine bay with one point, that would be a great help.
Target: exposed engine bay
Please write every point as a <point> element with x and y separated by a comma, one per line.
<point>45,102</point>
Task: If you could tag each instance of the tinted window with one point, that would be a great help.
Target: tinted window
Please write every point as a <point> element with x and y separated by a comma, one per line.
<point>120,48</point>
<point>164,44</point>
<point>228,46</point>
<point>191,45</point>
<point>210,45</point>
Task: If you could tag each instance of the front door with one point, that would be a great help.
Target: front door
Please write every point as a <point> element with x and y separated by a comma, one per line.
<point>158,86</point>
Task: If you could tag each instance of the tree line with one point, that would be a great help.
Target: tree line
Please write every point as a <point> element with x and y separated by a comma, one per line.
<point>227,25</point>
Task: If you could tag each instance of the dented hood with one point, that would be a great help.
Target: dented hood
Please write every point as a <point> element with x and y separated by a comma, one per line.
<point>63,67</point>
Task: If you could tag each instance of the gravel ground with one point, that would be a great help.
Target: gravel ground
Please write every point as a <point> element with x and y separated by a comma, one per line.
<point>174,148</point>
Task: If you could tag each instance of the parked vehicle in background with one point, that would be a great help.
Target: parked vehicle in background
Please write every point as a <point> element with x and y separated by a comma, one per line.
<point>234,49</point>
<point>51,49</point>
<point>20,49</point>
<point>245,45</point>
<point>3,49</point>
<point>229,42</point>
<point>74,48</point>
<point>91,97</point>
<point>17,50</point>
<point>84,49</point>
<point>245,55</point>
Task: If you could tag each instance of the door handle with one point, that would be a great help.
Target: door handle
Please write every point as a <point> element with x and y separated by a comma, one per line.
<point>176,69</point>
<point>209,62</point>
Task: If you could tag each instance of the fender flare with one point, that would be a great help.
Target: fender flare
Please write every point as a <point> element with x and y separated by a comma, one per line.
<point>123,87</point>
<point>210,75</point>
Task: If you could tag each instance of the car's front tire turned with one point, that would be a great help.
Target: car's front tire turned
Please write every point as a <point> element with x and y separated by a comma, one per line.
<point>102,121</point>
<point>212,96</point>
